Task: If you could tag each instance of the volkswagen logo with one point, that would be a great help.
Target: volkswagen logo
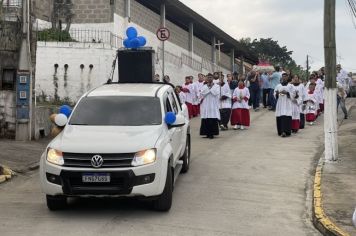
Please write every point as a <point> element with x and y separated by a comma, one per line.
<point>97,161</point>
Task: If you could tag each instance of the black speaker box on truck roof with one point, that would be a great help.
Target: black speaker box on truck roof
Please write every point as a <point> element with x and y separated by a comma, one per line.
<point>136,65</point>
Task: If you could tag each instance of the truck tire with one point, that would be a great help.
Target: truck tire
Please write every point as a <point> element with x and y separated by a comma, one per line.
<point>56,202</point>
<point>186,156</point>
<point>164,201</point>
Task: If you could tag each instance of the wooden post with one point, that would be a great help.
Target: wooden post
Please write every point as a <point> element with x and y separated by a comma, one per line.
<point>330,92</point>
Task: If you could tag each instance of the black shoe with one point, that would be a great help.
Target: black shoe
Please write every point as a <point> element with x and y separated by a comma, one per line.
<point>284,135</point>
<point>211,137</point>
<point>346,117</point>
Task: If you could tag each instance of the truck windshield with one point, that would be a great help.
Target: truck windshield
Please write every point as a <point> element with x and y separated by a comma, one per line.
<point>117,111</point>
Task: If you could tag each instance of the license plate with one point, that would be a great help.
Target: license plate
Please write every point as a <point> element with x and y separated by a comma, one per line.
<point>96,178</point>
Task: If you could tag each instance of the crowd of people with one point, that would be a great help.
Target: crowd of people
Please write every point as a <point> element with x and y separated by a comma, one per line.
<point>221,101</point>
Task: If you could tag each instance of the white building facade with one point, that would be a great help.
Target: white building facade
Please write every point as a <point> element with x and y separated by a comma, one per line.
<point>65,70</point>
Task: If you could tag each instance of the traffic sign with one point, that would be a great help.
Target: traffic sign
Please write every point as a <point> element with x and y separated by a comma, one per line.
<point>163,34</point>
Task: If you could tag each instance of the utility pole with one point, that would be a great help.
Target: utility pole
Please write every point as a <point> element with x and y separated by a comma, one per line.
<point>330,92</point>
<point>307,67</point>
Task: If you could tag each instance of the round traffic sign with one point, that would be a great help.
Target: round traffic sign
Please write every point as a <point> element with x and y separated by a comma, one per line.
<point>163,34</point>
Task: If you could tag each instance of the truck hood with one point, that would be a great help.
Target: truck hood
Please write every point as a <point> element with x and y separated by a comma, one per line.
<point>106,139</point>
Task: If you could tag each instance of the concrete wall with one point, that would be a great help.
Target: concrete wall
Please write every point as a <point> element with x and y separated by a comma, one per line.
<point>92,11</point>
<point>10,40</point>
<point>70,84</point>
<point>42,9</point>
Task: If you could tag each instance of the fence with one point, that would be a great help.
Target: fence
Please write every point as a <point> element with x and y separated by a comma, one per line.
<point>12,3</point>
<point>80,35</point>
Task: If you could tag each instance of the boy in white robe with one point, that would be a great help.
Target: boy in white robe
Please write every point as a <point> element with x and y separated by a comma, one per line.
<point>284,94</point>
<point>188,89</point>
<point>180,94</point>
<point>240,117</point>
<point>312,105</point>
<point>209,108</point>
<point>225,104</point>
<point>297,103</point>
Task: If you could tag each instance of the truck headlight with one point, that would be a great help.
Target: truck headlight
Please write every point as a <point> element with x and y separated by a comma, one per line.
<point>55,157</point>
<point>144,157</point>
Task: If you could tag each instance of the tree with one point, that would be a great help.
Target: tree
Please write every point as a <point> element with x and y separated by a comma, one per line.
<point>269,50</point>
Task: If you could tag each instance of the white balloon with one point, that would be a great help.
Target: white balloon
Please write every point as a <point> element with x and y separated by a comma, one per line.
<point>61,120</point>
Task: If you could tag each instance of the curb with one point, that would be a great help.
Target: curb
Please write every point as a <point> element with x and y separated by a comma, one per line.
<point>320,220</point>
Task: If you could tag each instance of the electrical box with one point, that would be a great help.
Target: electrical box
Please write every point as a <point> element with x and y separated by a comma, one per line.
<point>23,96</point>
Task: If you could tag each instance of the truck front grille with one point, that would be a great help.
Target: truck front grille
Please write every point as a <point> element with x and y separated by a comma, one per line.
<point>110,160</point>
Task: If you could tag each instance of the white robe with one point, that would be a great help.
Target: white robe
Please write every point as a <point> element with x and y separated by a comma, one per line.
<point>209,107</point>
<point>225,91</point>
<point>196,93</point>
<point>189,96</point>
<point>240,94</point>
<point>312,104</point>
<point>297,102</point>
<point>182,97</point>
<point>284,105</point>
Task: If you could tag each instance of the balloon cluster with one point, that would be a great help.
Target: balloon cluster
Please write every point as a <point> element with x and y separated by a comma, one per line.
<point>132,40</point>
<point>60,119</point>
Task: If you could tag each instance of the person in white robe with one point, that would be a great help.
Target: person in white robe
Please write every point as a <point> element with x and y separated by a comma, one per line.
<point>188,89</point>
<point>180,94</point>
<point>297,103</point>
<point>209,108</point>
<point>240,117</point>
<point>312,105</point>
<point>225,104</point>
<point>284,94</point>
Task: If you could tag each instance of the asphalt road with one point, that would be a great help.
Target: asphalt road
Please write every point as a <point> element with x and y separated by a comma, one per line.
<point>249,182</point>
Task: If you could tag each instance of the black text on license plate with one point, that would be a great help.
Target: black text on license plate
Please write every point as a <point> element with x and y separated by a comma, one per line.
<point>96,178</point>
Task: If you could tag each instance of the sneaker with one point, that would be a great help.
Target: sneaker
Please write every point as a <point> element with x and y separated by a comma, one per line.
<point>311,123</point>
<point>235,127</point>
<point>222,127</point>
<point>284,135</point>
<point>242,127</point>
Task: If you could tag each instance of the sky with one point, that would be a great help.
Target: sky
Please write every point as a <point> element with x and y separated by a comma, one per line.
<point>296,24</point>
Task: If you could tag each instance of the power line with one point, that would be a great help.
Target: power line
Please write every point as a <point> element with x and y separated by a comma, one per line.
<point>351,4</point>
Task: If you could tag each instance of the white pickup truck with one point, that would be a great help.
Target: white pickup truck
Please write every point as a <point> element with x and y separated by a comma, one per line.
<point>119,142</point>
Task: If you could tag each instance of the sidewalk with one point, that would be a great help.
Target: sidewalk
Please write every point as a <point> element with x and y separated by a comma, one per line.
<point>335,183</point>
<point>339,179</point>
<point>21,156</point>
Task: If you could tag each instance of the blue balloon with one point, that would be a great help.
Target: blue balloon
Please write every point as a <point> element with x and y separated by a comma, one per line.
<point>134,43</point>
<point>127,43</point>
<point>131,32</point>
<point>66,110</point>
<point>142,41</point>
<point>170,118</point>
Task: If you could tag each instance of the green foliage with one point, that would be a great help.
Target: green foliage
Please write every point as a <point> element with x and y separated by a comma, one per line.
<point>269,50</point>
<point>54,35</point>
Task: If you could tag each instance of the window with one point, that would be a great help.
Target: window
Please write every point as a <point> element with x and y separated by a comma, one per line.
<point>168,105</point>
<point>8,79</point>
<point>117,111</point>
<point>173,102</point>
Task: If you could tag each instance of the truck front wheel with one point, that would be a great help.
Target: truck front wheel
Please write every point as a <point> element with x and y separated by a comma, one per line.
<point>164,201</point>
